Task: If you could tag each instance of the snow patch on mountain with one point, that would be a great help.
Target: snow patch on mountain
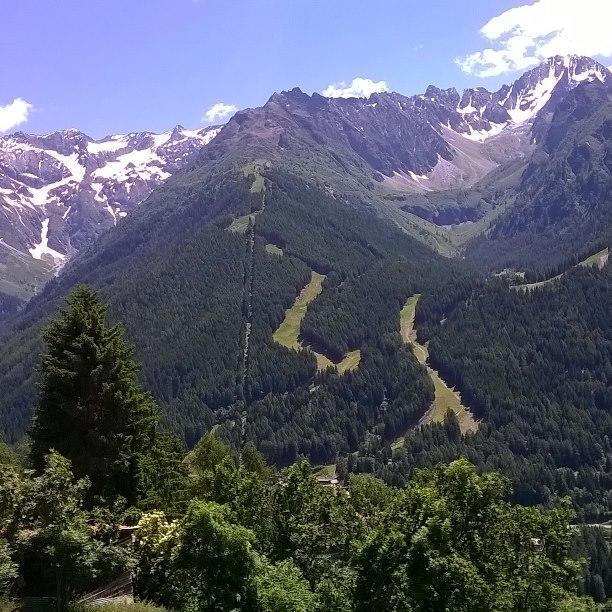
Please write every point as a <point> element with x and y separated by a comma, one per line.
<point>115,143</point>
<point>43,248</point>
<point>144,164</point>
<point>484,114</point>
<point>67,187</point>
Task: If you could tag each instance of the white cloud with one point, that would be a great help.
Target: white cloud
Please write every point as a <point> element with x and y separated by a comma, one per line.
<point>357,88</point>
<point>523,36</point>
<point>13,114</point>
<point>220,110</point>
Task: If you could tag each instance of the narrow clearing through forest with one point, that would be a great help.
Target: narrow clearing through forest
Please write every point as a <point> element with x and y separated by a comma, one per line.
<point>288,332</point>
<point>445,398</point>
<point>597,260</point>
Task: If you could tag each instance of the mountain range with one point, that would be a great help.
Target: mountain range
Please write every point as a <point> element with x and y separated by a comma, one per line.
<point>59,191</point>
<point>263,271</point>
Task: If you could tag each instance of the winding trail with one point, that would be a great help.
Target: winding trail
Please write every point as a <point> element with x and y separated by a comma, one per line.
<point>445,398</point>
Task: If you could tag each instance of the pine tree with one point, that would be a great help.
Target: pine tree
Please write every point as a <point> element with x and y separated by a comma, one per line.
<point>91,409</point>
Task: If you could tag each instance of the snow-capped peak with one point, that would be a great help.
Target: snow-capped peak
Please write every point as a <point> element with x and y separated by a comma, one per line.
<point>59,190</point>
<point>530,94</point>
<point>481,114</point>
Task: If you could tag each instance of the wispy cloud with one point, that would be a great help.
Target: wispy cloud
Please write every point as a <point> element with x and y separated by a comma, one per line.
<point>523,36</point>
<point>357,88</point>
<point>219,111</point>
<point>14,114</point>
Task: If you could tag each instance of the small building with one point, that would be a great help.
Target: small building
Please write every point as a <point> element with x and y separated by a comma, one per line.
<point>328,481</point>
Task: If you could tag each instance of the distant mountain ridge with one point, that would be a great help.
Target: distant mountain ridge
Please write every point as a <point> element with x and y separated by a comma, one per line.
<point>422,142</point>
<point>562,205</point>
<point>59,191</point>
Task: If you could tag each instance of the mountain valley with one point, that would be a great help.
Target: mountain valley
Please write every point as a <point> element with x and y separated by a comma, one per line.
<point>374,200</point>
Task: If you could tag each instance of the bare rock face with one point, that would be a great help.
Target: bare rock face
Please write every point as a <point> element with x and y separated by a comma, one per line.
<point>437,140</point>
<point>59,191</point>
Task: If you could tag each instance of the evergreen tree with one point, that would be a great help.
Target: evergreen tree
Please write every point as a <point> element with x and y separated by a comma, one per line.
<point>91,409</point>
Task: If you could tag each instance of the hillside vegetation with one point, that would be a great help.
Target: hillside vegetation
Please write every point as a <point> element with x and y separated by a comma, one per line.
<point>445,398</point>
<point>536,369</point>
<point>218,529</point>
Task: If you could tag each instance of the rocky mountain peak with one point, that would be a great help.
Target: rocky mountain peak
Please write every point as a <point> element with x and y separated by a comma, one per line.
<point>59,190</point>
<point>552,78</point>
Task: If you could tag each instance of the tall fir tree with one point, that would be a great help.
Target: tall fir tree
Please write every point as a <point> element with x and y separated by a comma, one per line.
<point>91,408</point>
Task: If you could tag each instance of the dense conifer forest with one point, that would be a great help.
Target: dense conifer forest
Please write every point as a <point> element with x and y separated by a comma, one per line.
<point>536,368</point>
<point>219,529</point>
<point>186,313</point>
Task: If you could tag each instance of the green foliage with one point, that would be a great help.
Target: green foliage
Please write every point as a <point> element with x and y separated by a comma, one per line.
<point>216,559</point>
<point>57,549</point>
<point>542,376</point>
<point>7,455</point>
<point>205,561</point>
<point>162,475</point>
<point>451,542</point>
<point>369,496</point>
<point>206,460</point>
<point>91,409</point>
<point>8,569</point>
<point>257,539</point>
<point>594,544</point>
<point>281,588</point>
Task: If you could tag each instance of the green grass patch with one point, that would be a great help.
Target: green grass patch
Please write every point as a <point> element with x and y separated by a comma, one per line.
<point>240,225</point>
<point>350,362</point>
<point>407,318</point>
<point>288,332</point>
<point>258,184</point>
<point>323,362</point>
<point>325,471</point>
<point>273,249</point>
<point>445,398</point>
<point>255,169</point>
<point>599,259</point>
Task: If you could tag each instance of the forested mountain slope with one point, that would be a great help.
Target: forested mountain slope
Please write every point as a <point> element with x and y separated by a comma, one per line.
<point>563,202</point>
<point>536,368</point>
<point>187,289</point>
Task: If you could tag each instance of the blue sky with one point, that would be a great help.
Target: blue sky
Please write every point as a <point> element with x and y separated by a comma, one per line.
<point>125,65</point>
